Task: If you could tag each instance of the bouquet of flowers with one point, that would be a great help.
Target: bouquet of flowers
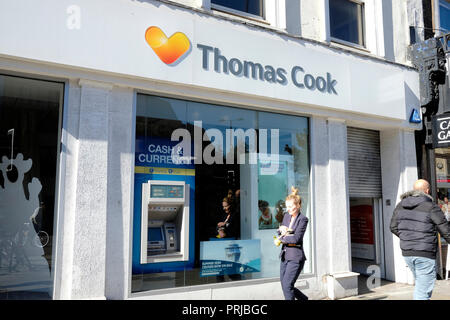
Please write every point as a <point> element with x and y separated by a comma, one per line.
<point>283,231</point>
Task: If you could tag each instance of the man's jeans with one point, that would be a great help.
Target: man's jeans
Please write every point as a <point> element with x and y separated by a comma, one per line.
<point>424,271</point>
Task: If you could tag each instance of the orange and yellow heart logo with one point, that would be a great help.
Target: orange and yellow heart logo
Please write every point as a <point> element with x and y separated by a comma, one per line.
<point>169,50</point>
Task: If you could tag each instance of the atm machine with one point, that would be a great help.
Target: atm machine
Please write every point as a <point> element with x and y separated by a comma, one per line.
<point>165,221</point>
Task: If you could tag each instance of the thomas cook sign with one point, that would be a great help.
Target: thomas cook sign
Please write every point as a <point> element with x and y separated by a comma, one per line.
<point>172,50</point>
<point>441,130</point>
<point>256,71</point>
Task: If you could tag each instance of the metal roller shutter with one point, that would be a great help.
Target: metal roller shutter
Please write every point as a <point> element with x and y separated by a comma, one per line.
<point>364,165</point>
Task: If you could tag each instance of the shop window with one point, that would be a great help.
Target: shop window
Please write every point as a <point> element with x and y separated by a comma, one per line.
<point>443,179</point>
<point>442,165</point>
<point>226,165</point>
<point>347,21</point>
<point>29,120</point>
<point>251,7</point>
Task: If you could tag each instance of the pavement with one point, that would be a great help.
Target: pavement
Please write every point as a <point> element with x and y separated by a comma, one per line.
<point>397,291</point>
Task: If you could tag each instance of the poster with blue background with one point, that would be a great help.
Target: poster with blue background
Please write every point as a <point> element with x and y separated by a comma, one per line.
<point>230,257</point>
<point>154,161</point>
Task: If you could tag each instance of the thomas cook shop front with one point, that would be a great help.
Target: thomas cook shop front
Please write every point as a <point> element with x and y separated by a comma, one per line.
<point>129,159</point>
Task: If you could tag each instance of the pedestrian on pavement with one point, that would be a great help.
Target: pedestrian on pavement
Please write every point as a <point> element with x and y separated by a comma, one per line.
<point>292,256</point>
<point>416,221</point>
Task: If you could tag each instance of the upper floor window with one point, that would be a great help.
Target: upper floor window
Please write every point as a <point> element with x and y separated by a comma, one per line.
<point>347,21</point>
<point>444,15</point>
<point>252,7</point>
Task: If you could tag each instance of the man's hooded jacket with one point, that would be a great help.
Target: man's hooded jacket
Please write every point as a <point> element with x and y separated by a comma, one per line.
<point>416,221</point>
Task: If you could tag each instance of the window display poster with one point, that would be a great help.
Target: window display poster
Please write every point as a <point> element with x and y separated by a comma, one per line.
<point>362,232</point>
<point>154,161</point>
<point>220,257</point>
<point>272,190</point>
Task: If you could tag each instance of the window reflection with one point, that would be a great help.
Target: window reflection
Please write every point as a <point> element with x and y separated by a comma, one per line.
<point>346,21</point>
<point>444,15</point>
<point>254,7</point>
<point>236,204</point>
<point>29,115</point>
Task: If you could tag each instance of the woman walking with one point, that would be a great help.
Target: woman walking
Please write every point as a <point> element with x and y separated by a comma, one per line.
<point>292,256</point>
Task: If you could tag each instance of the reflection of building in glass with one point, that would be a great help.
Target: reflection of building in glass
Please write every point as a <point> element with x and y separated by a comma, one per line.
<point>233,251</point>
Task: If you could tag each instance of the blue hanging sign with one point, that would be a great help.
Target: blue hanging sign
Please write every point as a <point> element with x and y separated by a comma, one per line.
<point>415,116</point>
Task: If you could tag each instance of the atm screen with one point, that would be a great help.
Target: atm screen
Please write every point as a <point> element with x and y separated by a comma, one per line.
<point>155,234</point>
<point>166,191</point>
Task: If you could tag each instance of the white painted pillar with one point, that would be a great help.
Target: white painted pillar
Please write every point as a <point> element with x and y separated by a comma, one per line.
<point>320,195</point>
<point>331,209</point>
<point>81,242</point>
<point>399,172</point>
<point>120,191</point>
<point>338,202</point>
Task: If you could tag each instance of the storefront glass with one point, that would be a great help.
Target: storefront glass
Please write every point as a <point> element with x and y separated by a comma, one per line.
<point>29,119</point>
<point>442,173</point>
<point>442,156</point>
<point>232,166</point>
<point>362,224</point>
<point>442,165</point>
<point>366,236</point>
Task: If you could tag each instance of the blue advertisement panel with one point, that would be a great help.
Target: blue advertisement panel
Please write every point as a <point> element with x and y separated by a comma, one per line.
<point>153,161</point>
<point>230,257</point>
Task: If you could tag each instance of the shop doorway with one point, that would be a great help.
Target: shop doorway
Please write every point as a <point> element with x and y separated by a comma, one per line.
<point>213,184</point>
<point>367,237</point>
<point>365,192</point>
<point>30,112</point>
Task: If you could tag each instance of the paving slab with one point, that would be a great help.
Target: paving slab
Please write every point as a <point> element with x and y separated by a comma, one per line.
<point>388,290</point>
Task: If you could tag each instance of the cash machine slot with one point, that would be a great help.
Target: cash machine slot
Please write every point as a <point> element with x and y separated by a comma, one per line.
<point>165,221</point>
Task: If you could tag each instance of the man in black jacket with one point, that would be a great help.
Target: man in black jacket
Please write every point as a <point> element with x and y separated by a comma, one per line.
<point>416,221</point>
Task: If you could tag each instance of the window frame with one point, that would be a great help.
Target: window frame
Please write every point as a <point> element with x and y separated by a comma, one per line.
<point>362,27</point>
<point>262,18</point>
